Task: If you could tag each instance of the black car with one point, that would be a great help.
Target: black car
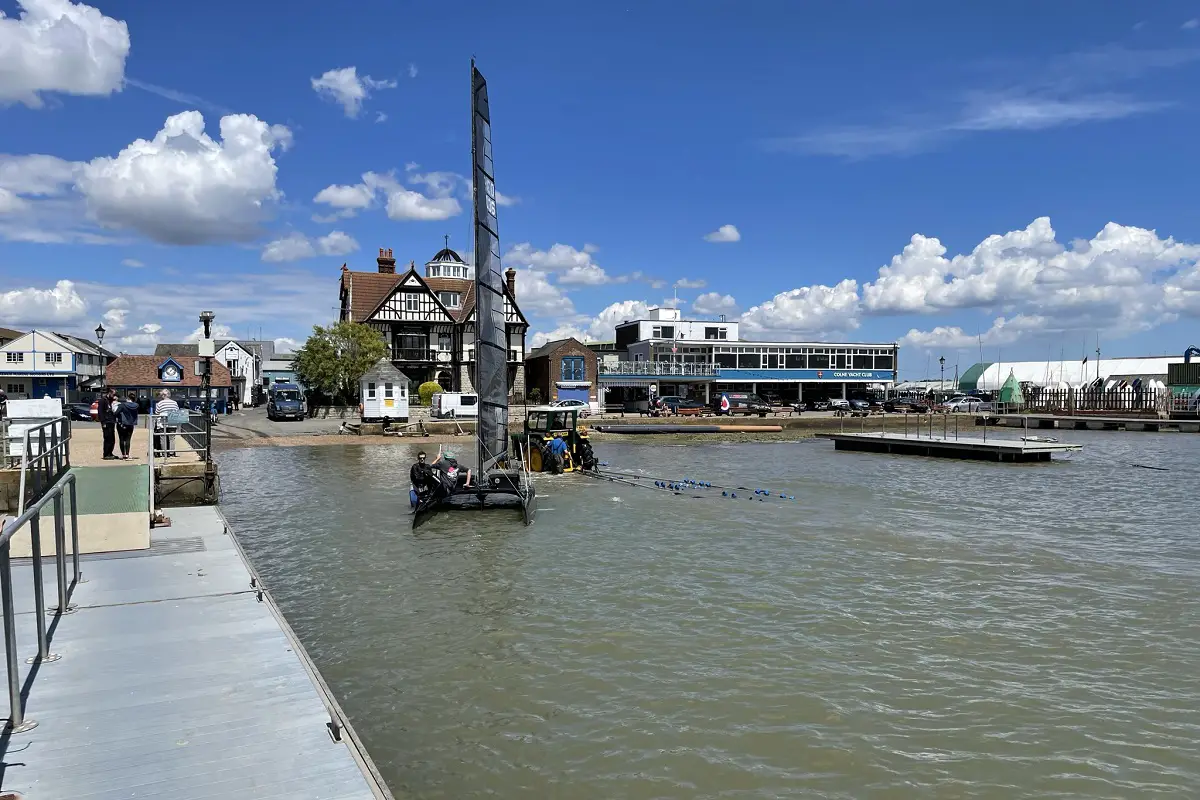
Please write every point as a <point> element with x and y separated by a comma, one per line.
<point>817,405</point>
<point>859,405</point>
<point>80,411</point>
<point>742,403</point>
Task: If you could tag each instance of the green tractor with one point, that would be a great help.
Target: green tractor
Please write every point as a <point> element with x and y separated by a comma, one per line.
<point>542,424</point>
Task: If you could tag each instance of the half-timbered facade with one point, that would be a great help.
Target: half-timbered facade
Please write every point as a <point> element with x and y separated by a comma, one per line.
<point>428,320</point>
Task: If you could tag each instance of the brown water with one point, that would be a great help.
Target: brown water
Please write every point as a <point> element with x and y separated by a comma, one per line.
<point>906,627</point>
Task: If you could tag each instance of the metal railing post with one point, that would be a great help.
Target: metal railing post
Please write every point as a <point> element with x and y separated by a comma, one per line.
<point>60,557</point>
<point>75,536</point>
<point>39,592</point>
<point>16,713</point>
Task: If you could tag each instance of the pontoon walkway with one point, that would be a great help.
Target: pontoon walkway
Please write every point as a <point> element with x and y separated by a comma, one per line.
<point>177,679</point>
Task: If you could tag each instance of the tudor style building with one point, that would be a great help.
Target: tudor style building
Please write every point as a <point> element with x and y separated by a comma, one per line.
<point>428,320</point>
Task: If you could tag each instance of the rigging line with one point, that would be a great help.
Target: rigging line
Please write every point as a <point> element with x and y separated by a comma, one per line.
<point>673,480</point>
<point>1147,466</point>
<point>603,477</point>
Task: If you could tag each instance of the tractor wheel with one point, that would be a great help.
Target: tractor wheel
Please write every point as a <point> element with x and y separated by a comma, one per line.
<point>536,462</point>
<point>587,459</point>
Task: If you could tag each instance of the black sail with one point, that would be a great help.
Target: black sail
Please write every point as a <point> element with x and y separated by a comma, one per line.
<point>491,333</point>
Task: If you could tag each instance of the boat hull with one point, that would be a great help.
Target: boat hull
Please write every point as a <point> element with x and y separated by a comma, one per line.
<point>525,503</point>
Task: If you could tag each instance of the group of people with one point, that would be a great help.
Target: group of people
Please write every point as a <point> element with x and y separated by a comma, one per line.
<point>442,477</point>
<point>117,420</point>
<point>119,417</point>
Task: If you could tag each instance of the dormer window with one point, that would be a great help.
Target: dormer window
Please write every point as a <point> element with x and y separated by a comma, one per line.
<point>450,299</point>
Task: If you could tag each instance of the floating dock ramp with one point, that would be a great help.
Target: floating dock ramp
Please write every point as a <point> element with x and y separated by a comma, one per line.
<point>993,449</point>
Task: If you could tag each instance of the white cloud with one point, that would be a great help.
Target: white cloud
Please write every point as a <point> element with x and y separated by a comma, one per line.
<point>132,262</point>
<point>714,303</point>
<point>285,344</point>
<point>183,187</point>
<point>144,340</point>
<point>402,203</point>
<point>572,266</point>
<point>408,205</point>
<point>60,46</point>
<point>1191,24</point>
<point>539,297</point>
<point>690,283</point>
<point>114,319</point>
<point>412,70</point>
<point>561,332</point>
<point>33,307</point>
<point>296,246</point>
<point>1071,89</point>
<point>594,329</point>
<point>345,87</point>
<point>380,117</point>
<point>9,202</point>
<point>811,311</point>
<point>590,275</point>
<point>725,233</point>
<point>37,175</point>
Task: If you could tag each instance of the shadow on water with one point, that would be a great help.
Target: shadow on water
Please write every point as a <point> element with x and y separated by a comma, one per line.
<point>907,626</point>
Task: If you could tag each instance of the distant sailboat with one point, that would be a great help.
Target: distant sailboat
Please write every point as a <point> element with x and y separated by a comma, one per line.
<point>502,480</point>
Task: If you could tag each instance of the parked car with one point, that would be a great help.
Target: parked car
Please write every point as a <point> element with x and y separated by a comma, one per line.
<point>837,402</point>
<point>818,405</point>
<point>859,405</point>
<point>450,405</point>
<point>584,408</point>
<point>675,402</point>
<point>966,405</point>
<point>742,403</point>
<point>80,411</point>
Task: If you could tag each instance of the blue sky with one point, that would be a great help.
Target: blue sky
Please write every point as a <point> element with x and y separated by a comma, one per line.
<point>816,143</point>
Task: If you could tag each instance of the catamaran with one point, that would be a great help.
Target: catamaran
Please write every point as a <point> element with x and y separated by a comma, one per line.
<point>502,477</point>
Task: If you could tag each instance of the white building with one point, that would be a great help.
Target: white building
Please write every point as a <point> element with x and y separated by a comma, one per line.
<point>42,364</point>
<point>671,353</point>
<point>1074,373</point>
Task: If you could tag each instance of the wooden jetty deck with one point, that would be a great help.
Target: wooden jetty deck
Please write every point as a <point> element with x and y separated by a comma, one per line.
<point>176,678</point>
<point>993,449</point>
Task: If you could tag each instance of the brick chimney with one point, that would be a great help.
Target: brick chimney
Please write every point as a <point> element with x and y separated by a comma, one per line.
<point>387,264</point>
<point>510,276</point>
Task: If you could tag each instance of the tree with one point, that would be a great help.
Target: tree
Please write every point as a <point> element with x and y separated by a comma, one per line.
<point>427,390</point>
<point>334,359</point>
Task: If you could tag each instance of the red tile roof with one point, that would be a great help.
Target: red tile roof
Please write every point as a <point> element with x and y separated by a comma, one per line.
<point>139,371</point>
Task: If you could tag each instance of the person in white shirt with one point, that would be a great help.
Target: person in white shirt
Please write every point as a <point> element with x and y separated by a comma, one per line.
<point>164,442</point>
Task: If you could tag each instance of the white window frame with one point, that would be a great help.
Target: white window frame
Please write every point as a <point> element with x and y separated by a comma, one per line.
<point>14,358</point>
<point>387,391</point>
<point>412,301</point>
<point>54,358</point>
<point>370,391</point>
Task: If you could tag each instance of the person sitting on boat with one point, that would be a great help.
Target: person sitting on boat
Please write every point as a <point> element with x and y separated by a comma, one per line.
<point>448,465</point>
<point>421,476</point>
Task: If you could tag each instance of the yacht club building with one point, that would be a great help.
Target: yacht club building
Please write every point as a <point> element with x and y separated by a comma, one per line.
<point>699,357</point>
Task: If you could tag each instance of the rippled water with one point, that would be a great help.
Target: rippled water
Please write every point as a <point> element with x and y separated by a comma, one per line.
<point>906,628</point>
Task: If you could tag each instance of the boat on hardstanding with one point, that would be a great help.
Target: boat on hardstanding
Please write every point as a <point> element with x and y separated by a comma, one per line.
<point>501,479</point>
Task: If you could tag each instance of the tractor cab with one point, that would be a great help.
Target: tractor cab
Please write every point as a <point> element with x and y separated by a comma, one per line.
<point>542,424</point>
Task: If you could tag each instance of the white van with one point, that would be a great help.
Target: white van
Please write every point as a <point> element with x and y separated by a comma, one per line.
<point>452,405</point>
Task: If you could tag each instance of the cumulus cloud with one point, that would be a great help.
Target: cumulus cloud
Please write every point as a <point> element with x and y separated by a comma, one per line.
<point>402,203</point>
<point>808,312</point>
<point>1124,279</point>
<point>216,331</point>
<point>714,303</point>
<point>285,344</point>
<point>690,283</point>
<point>539,297</point>
<point>9,202</point>
<point>296,246</point>
<point>593,329</point>
<point>60,46</point>
<point>725,233</point>
<point>145,340</point>
<point>344,87</point>
<point>570,265</point>
<point>34,307</point>
<point>184,187</point>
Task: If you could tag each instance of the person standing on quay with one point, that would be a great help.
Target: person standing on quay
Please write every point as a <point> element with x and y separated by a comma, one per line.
<point>127,414</point>
<point>106,415</point>
<point>164,441</point>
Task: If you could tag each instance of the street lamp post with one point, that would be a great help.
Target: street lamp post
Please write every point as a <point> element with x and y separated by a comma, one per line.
<point>100,334</point>
<point>206,318</point>
<point>942,383</point>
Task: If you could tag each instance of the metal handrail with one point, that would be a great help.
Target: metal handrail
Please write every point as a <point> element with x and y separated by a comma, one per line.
<point>59,452</point>
<point>17,723</point>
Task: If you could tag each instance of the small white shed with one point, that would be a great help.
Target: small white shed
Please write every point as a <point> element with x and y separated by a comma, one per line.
<point>384,391</point>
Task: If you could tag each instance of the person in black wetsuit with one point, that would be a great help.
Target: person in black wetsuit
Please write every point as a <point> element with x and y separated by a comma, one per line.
<point>422,478</point>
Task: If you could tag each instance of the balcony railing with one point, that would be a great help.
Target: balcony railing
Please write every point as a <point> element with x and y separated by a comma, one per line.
<point>659,368</point>
<point>419,354</point>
